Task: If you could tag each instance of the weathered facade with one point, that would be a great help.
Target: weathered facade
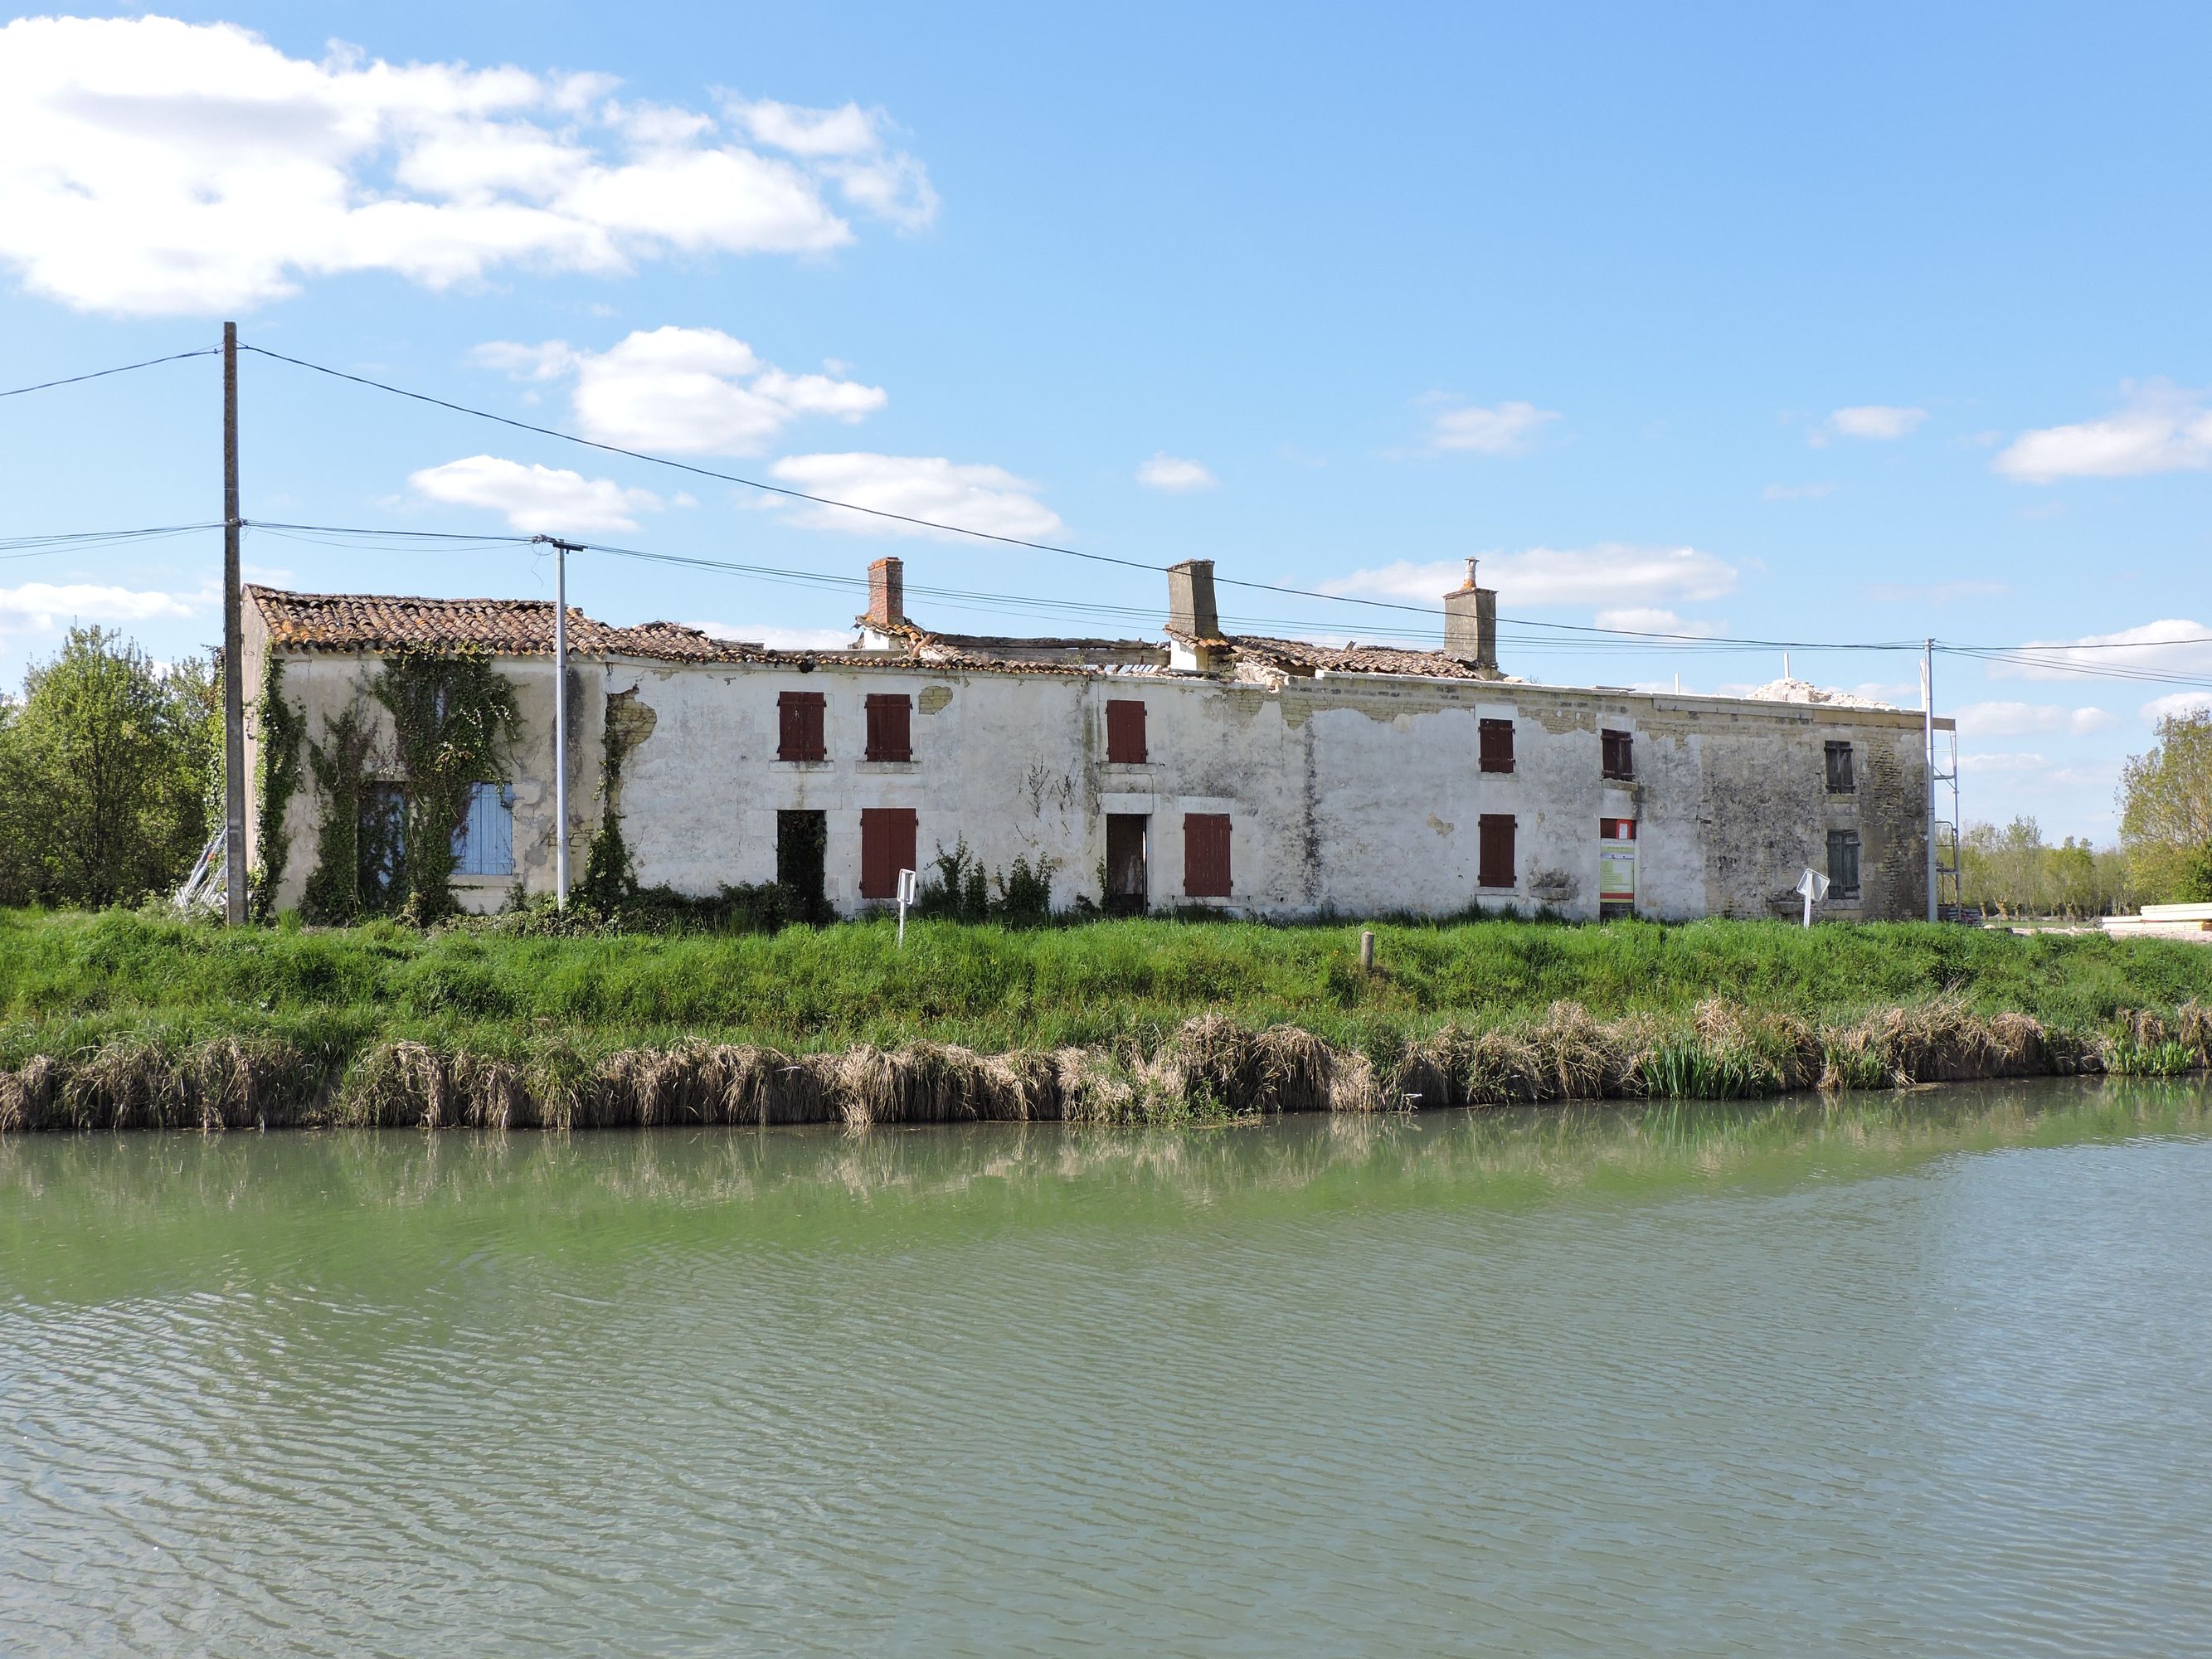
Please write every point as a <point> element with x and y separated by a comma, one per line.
<point>1262,776</point>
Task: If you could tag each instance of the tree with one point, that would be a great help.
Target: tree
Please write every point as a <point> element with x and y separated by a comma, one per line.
<point>2166,809</point>
<point>108,769</point>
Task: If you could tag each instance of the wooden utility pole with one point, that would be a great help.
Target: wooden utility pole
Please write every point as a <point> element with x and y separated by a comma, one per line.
<point>233,649</point>
<point>561,551</point>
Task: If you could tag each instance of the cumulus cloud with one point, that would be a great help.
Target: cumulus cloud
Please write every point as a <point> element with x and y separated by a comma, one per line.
<point>1175,474</point>
<point>683,391</point>
<point>1804,492</point>
<point>2176,645</point>
<point>38,607</point>
<point>154,166</point>
<point>2162,429</point>
<point>849,145</point>
<point>540,500</point>
<point>1507,428</point>
<point>1877,421</point>
<point>2020,762</point>
<point>1616,574</point>
<point>2012,720</point>
<point>973,496</point>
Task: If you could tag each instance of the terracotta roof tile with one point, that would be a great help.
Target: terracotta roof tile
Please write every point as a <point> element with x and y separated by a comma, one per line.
<point>507,628</point>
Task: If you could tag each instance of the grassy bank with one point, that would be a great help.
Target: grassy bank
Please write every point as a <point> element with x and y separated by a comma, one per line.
<point>124,1018</point>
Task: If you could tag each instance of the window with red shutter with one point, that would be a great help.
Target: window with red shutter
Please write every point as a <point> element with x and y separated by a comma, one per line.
<point>1494,849</point>
<point>887,841</point>
<point>1206,855</point>
<point>1498,745</point>
<point>890,727</point>
<point>1124,731</point>
<point>799,726</point>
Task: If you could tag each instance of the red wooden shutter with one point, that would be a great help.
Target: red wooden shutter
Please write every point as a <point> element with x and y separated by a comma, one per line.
<point>1498,745</point>
<point>1124,731</point>
<point>799,726</point>
<point>887,841</point>
<point>890,727</point>
<point>1494,861</point>
<point>1206,855</point>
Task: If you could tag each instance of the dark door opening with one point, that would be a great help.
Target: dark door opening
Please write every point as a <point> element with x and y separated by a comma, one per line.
<point>1128,883</point>
<point>802,844</point>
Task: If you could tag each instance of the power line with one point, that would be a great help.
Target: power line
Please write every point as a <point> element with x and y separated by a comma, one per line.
<point>102,374</point>
<point>38,547</point>
<point>1017,540</point>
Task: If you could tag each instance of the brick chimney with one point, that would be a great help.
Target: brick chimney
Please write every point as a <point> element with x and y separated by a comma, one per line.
<point>1190,599</point>
<point>886,593</point>
<point>1471,622</point>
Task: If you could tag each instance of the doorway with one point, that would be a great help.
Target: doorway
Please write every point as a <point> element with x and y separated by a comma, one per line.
<point>802,842</point>
<point>1129,882</point>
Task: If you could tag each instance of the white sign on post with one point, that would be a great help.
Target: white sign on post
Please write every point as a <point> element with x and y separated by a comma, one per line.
<point>905,898</point>
<point>1813,887</point>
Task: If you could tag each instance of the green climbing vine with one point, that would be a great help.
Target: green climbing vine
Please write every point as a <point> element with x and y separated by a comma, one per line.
<point>453,716</point>
<point>342,764</point>
<point>277,772</point>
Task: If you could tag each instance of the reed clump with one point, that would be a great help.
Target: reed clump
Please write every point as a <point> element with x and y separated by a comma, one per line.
<point>1208,1068</point>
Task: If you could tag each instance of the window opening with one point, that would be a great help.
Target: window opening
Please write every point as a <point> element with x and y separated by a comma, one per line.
<point>890,727</point>
<point>799,727</point>
<point>1619,756</point>
<point>1497,745</point>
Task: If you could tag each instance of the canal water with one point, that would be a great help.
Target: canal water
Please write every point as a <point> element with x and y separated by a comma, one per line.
<point>1921,1374</point>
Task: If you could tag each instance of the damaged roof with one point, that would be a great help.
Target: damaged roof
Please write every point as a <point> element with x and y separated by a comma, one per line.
<point>506,628</point>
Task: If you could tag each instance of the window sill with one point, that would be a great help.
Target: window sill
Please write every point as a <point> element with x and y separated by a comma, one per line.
<point>900,765</point>
<point>823,764</point>
<point>1617,777</point>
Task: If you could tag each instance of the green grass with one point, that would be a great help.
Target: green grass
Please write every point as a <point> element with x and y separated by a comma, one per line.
<point>136,1017</point>
<point>992,990</point>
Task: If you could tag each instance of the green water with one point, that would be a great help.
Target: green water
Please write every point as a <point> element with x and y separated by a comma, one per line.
<point>1922,1375</point>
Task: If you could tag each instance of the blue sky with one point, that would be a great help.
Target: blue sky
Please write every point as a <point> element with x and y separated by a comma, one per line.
<point>1735,322</point>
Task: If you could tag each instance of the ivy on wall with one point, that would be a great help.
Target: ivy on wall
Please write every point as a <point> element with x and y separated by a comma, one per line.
<point>453,716</point>
<point>343,764</point>
<point>610,870</point>
<point>385,842</point>
<point>277,772</point>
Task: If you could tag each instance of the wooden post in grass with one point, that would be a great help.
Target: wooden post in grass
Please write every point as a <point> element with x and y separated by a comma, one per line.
<point>1366,952</point>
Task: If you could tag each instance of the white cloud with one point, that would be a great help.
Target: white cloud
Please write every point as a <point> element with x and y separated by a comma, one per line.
<point>1506,428</point>
<point>38,607</point>
<point>1656,619</point>
<point>535,499</point>
<point>2162,429</point>
<point>850,145</point>
<point>2176,645</point>
<point>154,166</point>
<point>683,391</point>
<point>1805,492</point>
<point>2177,702</point>
<point>779,639</point>
<point>1175,474</point>
<point>1878,422</point>
<point>975,497</point>
<point>1618,575</point>
<point>2012,763</point>
<point>2012,720</point>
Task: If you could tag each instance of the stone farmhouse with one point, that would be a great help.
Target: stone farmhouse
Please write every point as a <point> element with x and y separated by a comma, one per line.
<point>1262,776</point>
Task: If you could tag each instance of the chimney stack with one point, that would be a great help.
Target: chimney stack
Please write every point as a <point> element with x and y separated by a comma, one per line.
<point>1190,600</point>
<point>1471,623</point>
<point>887,594</point>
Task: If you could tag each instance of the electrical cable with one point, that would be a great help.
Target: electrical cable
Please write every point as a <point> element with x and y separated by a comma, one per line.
<point>102,374</point>
<point>1016,541</point>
